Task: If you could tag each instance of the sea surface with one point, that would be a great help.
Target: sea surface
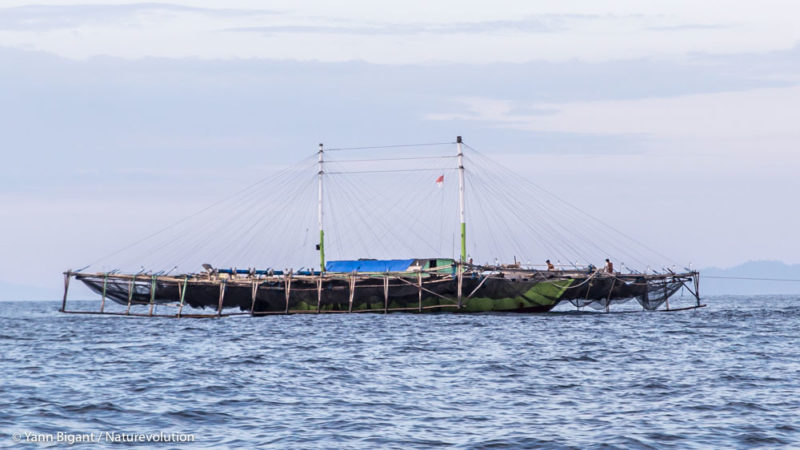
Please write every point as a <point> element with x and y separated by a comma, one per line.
<point>727,375</point>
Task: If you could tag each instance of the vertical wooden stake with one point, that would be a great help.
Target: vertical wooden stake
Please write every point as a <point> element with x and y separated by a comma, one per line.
<point>131,287</point>
<point>352,292</point>
<point>460,283</point>
<point>385,294</point>
<point>105,285</point>
<point>419,284</point>
<point>67,276</point>
<point>697,287</point>
<point>182,293</point>
<point>319,293</point>
<point>610,292</point>
<point>588,290</point>
<point>254,293</point>
<point>152,294</point>
<point>221,297</point>
<point>287,281</point>
<point>665,291</point>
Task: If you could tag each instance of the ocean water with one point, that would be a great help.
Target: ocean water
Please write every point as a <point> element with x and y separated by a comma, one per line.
<point>723,376</point>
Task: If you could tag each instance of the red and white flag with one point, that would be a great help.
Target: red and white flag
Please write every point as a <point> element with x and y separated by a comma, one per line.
<point>440,181</point>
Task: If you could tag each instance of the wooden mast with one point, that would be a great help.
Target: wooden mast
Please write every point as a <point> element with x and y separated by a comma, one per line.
<point>319,213</point>
<point>462,219</point>
<point>461,201</point>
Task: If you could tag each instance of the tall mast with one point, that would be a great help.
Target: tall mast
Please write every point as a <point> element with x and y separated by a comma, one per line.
<point>321,246</point>
<point>461,200</point>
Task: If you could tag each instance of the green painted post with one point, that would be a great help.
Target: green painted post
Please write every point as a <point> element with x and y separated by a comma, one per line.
<point>463,242</point>
<point>461,185</point>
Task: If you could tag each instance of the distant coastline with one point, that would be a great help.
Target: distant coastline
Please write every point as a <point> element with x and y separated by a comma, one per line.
<point>751,269</point>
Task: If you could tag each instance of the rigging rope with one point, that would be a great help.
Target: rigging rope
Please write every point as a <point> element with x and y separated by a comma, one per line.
<point>197,213</point>
<point>270,220</point>
<point>381,147</point>
<point>329,161</point>
<point>387,171</point>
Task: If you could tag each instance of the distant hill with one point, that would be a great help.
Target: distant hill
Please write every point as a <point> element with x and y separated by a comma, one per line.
<point>751,269</point>
<point>21,292</point>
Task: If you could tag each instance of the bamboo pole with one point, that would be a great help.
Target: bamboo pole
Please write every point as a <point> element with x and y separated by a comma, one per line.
<point>105,285</point>
<point>287,281</point>
<point>385,294</point>
<point>320,212</point>
<point>319,293</point>
<point>460,283</point>
<point>254,293</point>
<point>67,276</point>
<point>461,216</point>
<point>131,287</point>
<point>182,293</point>
<point>610,292</point>
<point>152,294</point>
<point>352,285</point>
<point>419,283</point>
<point>429,291</point>
<point>221,297</point>
<point>478,286</point>
<point>697,287</point>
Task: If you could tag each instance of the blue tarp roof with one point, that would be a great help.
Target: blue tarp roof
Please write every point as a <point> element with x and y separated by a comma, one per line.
<point>369,265</point>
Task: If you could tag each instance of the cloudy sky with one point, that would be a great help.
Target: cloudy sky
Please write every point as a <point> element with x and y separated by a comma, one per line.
<point>675,121</point>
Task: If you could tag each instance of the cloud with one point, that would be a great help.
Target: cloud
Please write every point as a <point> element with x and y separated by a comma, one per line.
<point>54,17</point>
<point>535,24</point>
<point>688,27</point>
<point>186,111</point>
<point>753,114</point>
<point>150,135</point>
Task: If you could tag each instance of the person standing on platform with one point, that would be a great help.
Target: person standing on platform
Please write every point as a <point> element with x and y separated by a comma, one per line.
<point>609,266</point>
<point>550,266</point>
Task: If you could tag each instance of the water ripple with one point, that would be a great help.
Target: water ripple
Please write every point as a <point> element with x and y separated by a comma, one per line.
<point>724,376</point>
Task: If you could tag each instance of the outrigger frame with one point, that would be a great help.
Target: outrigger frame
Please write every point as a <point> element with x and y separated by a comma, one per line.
<point>151,283</point>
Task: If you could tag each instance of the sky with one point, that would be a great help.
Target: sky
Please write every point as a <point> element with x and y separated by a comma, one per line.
<point>675,121</point>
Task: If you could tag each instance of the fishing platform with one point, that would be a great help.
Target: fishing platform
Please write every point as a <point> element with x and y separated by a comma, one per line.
<point>373,285</point>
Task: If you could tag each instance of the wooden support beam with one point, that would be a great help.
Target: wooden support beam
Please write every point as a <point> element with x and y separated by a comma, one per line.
<point>67,276</point>
<point>610,291</point>
<point>319,293</point>
<point>697,287</point>
<point>430,292</point>
<point>287,284</point>
<point>478,287</point>
<point>254,293</point>
<point>419,283</point>
<point>131,288</point>
<point>182,293</point>
<point>105,285</point>
<point>460,283</point>
<point>352,285</point>
<point>221,297</point>
<point>152,294</point>
<point>686,308</point>
<point>385,294</point>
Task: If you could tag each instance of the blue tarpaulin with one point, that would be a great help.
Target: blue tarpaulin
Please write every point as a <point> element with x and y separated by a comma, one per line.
<point>369,265</point>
